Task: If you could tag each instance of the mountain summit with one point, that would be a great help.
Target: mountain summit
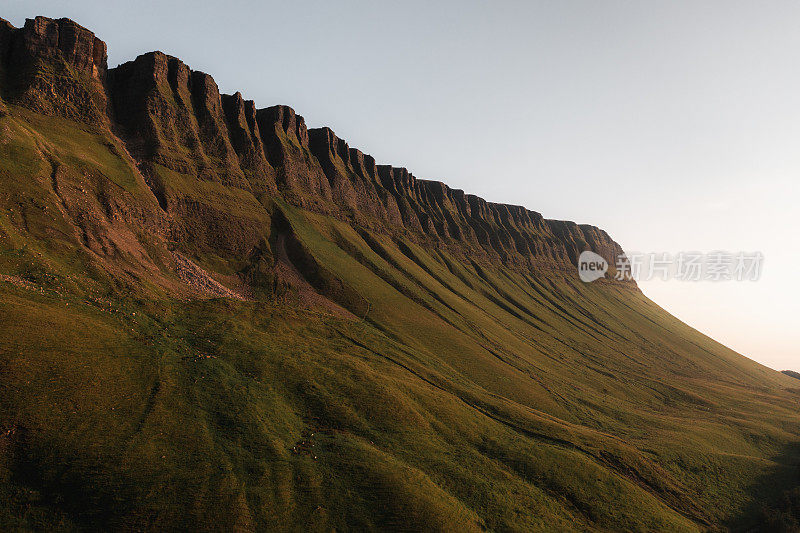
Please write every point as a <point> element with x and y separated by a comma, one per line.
<point>216,318</point>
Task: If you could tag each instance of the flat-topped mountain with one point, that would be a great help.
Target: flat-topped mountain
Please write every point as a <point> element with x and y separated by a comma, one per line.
<point>174,122</point>
<point>212,317</point>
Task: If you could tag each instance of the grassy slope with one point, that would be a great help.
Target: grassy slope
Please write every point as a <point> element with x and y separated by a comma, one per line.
<point>468,398</point>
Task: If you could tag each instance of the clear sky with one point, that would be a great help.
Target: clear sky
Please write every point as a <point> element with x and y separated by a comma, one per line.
<point>673,125</point>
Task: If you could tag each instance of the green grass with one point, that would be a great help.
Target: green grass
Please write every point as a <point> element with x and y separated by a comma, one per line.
<point>82,147</point>
<point>464,396</point>
<point>203,403</point>
<point>238,202</point>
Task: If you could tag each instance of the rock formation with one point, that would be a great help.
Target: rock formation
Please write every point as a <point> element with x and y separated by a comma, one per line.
<point>181,131</point>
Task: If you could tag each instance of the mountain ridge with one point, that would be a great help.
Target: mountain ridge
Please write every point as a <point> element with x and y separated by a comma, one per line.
<point>175,117</point>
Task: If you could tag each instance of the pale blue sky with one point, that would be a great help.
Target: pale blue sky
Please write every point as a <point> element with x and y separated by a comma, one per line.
<point>674,126</point>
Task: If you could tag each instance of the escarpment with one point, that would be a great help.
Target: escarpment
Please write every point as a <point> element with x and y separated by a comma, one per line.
<point>299,174</point>
<point>353,180</point>
<point>54,67</point>
<point>240,117</point>
<point>215,161</point>
<point>172,116</point>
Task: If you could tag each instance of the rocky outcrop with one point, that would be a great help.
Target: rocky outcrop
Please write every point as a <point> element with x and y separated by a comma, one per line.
<point>508,232</point>
<point>300,176</point>
<point>240,115</point>
<point>175,125</point>
<point>184,133</point>
<point>437,214</point>
<point>353,179</point>
<point>54,67</point>
<point>176,118</point>
<point>6,34</point>
<point>172,117</point>
<point>47,39</point>
<point>213,131</point>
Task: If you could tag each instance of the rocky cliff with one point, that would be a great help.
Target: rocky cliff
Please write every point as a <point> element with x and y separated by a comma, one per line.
<point>183,133</point>
<point>54,67</point>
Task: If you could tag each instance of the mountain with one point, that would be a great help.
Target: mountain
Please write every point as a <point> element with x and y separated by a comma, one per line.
<point>792,373</point>
<point>216,318</point>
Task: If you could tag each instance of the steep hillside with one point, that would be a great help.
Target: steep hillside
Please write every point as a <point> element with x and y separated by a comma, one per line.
<point>215,318</point>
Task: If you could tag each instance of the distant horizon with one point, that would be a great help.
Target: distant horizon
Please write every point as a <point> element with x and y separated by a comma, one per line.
<point>671,128</point>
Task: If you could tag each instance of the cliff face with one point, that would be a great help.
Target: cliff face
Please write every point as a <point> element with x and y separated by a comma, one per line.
<point>42,38</point>
<point>183,133</point>
<point>54,67</point>
<point>171,116</point>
